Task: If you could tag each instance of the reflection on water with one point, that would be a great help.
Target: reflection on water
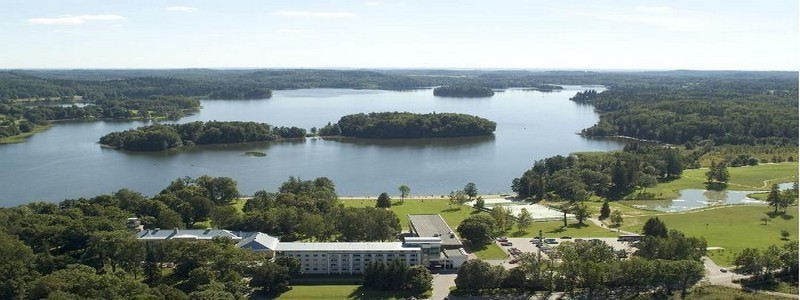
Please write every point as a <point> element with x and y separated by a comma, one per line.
<point>695,198</point>
<point>461,142</point>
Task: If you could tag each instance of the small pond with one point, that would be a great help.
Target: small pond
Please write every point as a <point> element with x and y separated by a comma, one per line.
<point>696,198</point>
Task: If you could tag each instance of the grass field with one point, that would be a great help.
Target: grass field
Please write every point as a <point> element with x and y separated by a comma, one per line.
<point>714,292</point>
<point>492,252</point>
<point>732,228</point>
<point>340,292</point>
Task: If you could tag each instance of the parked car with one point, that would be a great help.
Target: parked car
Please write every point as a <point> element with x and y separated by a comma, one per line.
<point>550,241</point>
<point>579,240</point>
<point>723,270</point>
<point>502,239</point>
<point>506,244</point>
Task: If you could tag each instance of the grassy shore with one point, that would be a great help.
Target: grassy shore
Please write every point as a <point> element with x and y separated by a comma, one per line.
<point>21,138</point>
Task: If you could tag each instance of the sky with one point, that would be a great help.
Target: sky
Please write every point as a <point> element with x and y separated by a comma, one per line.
<point>469,34</point>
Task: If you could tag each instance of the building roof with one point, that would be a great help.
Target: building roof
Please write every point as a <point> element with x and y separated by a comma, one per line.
<point>345,247</point>
<point>454,253</point>
<point>434,226</point>
<point>424,240</point>
<point>191,234</point>
<point>258,242</point>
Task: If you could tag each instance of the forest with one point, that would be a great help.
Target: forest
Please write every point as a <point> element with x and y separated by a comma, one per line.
<point>160,137</point>
<point>81,248</point>
<point>463,91</point>
<point>405,125</point>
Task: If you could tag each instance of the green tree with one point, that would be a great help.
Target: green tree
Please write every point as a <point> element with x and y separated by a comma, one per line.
<point>477,229</point>
<point>582,212</point>
<point>480,203</point>
<point>654,227</point>
<point>418,279</point>
<point>225,216</point>
<point>524,219</point>
<point>457,197</point>
<point>503,218</point>
<point>476,275</point>
<point>270,278</point>
<point>404,191</point>
<point>785,234</point>
<point>383,201</point>
<point>616,217</point>
<point>16,268</point>
<point>471,190</point>
<point>774,197</point>
<point>605,211</point>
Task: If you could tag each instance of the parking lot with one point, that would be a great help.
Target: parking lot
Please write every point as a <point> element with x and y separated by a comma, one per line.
<point>524,245</point>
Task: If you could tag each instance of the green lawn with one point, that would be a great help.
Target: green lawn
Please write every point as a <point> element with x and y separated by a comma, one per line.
<point>555,229</point>
<point>452,214</point>
<point>491,252</point>
<point>340,292</point>
<point>732,228</point>
<point>742,179</point>
<point>715,292</point>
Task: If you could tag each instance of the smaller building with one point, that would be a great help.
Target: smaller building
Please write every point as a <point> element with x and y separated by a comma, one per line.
<point>448,254</point>
<point>255,241</point>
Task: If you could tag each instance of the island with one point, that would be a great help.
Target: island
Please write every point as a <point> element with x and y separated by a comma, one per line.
<point>406,125</point>
<point>161,137</point>
<point>463,91</point>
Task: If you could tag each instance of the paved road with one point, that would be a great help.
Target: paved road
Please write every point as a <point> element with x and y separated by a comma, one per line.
<point>442,284</point>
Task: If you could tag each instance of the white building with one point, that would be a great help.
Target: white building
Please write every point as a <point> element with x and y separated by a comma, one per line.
<point>347,258</point>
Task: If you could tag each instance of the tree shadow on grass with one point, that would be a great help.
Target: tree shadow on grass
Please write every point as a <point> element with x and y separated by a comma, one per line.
<point>519,233</point>
<point>783,215</point>
<point>362,293</point>
<point>452,209</point>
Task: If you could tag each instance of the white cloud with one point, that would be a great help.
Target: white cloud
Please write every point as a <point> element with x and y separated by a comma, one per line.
<point>181,8</point>
<point>74,20</point>
<point>373,3</point>
<point>318,14</point>
<point>660,16</point>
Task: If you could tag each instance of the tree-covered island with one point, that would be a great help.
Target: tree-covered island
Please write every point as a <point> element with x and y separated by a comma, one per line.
<point>406,125</point>
<point>463,91</point>
<point>160,137</point>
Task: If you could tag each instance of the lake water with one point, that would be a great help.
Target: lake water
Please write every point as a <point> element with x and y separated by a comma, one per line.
<point>66,161</point>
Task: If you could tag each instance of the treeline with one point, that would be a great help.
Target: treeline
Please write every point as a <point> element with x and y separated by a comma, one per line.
<point>405,125</point>
<point>722,110</point>
<point>81,248</point>
<point>664,262</point>
<point>466,91</point>
<point>610,175</point>
<point>160,137</point>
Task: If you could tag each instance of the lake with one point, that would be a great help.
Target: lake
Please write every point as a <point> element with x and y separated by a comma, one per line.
<point>696,198</point>
<point>66,161</point>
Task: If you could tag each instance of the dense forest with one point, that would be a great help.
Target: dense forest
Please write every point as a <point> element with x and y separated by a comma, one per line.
<point>611,175</point>
<point>81,248</point>
<point>405,125</point>
<point>166,136</point>
<point>463,91</point>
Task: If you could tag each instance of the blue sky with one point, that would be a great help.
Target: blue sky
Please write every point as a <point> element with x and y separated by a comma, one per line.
<point>579,34</point>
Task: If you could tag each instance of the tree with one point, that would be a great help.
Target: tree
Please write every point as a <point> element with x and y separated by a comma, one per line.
<point>457,197</point>
<point>471,190</point>
<point>503,218</point>
<point>418,279</point>
<point>654,227</point>
<point>225,216</point>
<point>383,201</point>
<point>480,203</point>
<point>16,267</point>
<point>582,212</point>
<point>270,278</point>
<point>616,217</point>
<point>404,191</point>
<point>774,197</point>
<point>785,234</point>
<point>718,172</point>
<point>605,211</point>
<point>476,274</point>
<point>524,219</point>
<point>477,229</point>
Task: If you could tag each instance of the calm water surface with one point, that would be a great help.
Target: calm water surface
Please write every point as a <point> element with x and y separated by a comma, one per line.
<point>66,161</point>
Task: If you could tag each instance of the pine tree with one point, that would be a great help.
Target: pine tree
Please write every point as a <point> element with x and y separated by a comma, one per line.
<point>605,211</point>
